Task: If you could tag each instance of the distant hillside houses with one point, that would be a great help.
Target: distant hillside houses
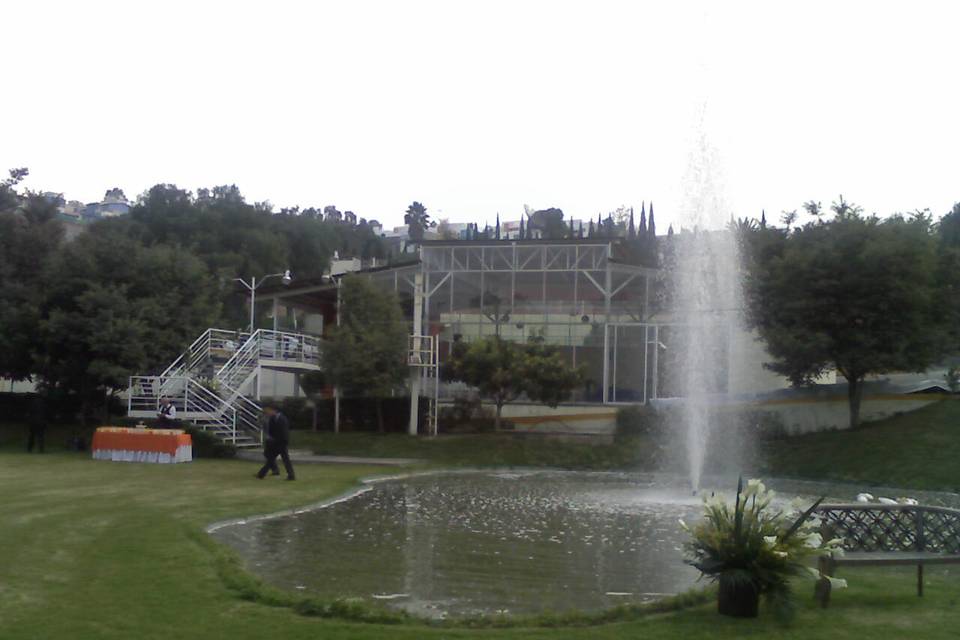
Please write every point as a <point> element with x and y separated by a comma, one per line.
<point>77,214</point>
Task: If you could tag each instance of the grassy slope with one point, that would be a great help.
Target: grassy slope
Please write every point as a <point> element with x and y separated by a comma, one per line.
<point>108,550</point>
<point>918,450</point>
<point>488,449</point>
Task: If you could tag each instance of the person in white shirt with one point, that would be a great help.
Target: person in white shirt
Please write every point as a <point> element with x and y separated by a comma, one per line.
<point>167,414</point>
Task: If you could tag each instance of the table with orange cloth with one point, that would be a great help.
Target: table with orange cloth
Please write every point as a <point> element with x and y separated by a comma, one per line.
<point>122,444</point>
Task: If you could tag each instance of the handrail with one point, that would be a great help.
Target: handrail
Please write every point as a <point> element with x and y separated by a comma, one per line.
<point>225,406</point>
<point>192,397</point>
<point>203,348</point>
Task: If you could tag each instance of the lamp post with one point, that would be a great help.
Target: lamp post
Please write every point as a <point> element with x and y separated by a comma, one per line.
<point>252,286</point>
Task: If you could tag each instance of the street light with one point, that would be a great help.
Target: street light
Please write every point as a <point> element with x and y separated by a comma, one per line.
<point>252,286</point>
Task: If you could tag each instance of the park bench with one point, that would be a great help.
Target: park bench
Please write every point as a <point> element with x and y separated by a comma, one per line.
<point>888,534</point>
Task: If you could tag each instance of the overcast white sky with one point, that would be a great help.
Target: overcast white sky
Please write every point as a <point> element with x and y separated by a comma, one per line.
<point>479,107</point>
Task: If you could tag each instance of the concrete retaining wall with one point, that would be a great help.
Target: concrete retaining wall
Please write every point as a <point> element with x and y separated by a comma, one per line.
<point>822,414</point>
<point>803,415</point>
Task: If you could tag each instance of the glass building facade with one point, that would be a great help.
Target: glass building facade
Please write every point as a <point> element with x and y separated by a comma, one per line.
<point>574,294</point>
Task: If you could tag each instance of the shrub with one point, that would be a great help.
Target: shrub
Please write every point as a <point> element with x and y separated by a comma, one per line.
<point>207,445</point>
<point>466,415</point>
<point>298,412</point>
<point>638,420</point>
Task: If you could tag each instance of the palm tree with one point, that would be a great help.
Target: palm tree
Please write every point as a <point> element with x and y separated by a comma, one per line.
<point>417,220</point>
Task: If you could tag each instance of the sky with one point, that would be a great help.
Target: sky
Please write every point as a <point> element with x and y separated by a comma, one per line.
<point>479,108</point>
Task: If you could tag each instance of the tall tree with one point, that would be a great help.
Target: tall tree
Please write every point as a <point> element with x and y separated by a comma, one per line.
<point>855,294</point>
<point>365,356</point>
<point>418,220</point>
<point>115,308</point>
<point>30,236</point>
<point>948,276</point>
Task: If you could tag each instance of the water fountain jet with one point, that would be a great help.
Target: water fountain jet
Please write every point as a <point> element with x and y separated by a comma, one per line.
<point>707,291</point>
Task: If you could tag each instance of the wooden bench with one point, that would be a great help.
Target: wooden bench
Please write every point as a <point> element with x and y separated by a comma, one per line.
<point>888,534</point>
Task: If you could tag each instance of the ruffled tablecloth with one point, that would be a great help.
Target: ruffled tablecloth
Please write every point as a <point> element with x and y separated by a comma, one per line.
<point>122,444</point>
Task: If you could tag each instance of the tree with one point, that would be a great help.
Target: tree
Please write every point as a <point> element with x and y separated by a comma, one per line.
<point>365,356</point>
<point>30,235</point>
<point>313,384</point>
<point>445,231</point>
<point>856,294</point>
<point>788,218</point>
<point>948,276</point>
<point>418,220</point>
<point>115,308</point>
<point>116,194</point>
<point>549,222</point>
<point>503,371</point>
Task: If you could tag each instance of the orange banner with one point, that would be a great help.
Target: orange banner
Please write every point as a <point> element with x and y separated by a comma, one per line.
<point>152,440</point>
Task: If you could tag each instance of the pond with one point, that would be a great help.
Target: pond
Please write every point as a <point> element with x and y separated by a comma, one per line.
<point>489,542</point>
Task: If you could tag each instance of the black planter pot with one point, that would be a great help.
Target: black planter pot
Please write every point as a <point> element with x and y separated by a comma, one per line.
<point>738,599</point>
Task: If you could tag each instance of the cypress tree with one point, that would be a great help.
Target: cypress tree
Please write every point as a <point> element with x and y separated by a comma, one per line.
<point>498,226</point>
<point>521,227</point>
<point>643,220</point>
<point>652,226</point>
<point>631,229</point>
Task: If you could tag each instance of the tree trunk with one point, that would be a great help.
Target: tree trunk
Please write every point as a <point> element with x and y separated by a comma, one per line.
<point>107,401</point>
<point>380,428</point>
<point>854,395</point>
<point>496,421</point>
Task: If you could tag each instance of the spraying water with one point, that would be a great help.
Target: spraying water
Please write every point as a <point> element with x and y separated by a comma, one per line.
<point>706,286</point>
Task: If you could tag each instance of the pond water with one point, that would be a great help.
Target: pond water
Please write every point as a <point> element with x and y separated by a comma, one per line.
<point>489,542</point>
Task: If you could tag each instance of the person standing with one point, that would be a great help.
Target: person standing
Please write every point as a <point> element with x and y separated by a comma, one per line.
<point>38,425</point>
<point>167,414</point>
<point>275,443</point>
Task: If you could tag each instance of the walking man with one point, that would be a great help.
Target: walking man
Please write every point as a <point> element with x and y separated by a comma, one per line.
<point>275,442</point>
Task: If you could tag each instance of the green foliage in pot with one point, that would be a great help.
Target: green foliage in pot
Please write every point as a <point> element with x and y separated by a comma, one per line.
<point>758,543</point>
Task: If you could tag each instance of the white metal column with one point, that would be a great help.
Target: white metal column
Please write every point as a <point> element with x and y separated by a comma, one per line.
<point>415,373</point>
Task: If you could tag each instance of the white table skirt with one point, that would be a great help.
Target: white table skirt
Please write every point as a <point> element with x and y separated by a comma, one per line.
<point>184,454</point>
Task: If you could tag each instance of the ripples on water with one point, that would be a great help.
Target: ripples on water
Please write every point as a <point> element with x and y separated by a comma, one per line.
<point>483,543</point>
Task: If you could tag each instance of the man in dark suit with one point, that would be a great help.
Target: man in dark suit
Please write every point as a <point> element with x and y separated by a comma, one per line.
<point>275,442</point>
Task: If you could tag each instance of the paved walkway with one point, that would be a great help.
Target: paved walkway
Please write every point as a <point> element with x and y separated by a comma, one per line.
<point>304,456</point>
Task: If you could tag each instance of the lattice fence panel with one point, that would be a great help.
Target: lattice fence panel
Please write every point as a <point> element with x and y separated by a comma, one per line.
<point>897,529</point>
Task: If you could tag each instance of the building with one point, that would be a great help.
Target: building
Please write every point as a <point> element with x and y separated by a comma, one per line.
<point>582,296</point>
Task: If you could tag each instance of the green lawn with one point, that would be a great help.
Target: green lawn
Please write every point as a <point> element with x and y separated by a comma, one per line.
<point>109,550</point>
<point>919,450</point>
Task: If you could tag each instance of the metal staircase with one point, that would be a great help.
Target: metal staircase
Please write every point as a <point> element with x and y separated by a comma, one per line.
<point>210,384</point>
